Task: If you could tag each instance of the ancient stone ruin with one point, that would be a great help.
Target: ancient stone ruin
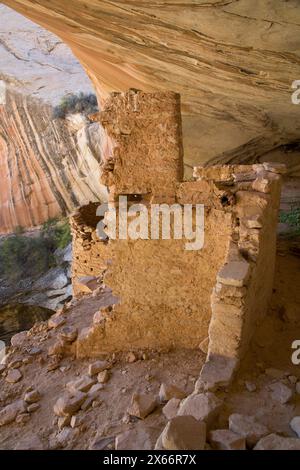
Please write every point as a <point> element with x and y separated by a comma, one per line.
<point>168,296</point>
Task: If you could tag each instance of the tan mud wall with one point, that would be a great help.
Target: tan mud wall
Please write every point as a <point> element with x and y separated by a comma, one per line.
<point>168,296</point>
<point>244,285</point>
<point>89,252</point>
<point>164,289</point>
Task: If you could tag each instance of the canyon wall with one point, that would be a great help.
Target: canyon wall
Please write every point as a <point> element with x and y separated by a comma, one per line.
<point>233,64</point>
<point>48,166</point>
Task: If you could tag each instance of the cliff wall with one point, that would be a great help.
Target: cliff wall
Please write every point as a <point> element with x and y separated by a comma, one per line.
<point>48,166</point>
<point>232,62</point>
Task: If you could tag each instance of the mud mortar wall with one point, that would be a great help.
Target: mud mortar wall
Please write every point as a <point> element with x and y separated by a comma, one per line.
<point>168,296</point>
<point>244,285</point>
<point>89,252</point>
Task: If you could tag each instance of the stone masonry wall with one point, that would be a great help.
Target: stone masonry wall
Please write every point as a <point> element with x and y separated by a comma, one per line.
<point>243,287</point>
<point>168,296</point>
<point>89,252</point>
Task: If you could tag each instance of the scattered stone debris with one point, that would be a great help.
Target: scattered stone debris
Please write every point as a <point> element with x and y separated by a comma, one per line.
<point>131,357</point>
<point>140,437</point>
<point>167,392</point>
<point>224,439</point>
<point>56,321</point>
<point>69,334</point>
<point>18,339</point>
<point>103,376</point>
<point>69,404</point>
<point>32,396</point>
<point>170,410</point>
<point>250,386</point>
<point>10,412</point>
<point>276,442</point>
<point>13,376</point>
<point>184,433</point>
<point>97,367</point>
<point>142,405</point>
<point>32,442</point>
<point>23,418</point>
<point>82,385</point>
<point>295,425</point>
<point>33,407</point>
<point>247,426</point>
<point>281,392</point>
<point>202,406</point>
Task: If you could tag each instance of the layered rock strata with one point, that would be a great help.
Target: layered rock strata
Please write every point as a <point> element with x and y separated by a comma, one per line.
<point>232,62</point>
<point>48,166</point>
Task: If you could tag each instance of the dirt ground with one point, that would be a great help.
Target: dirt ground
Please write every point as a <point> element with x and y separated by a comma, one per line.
<point>98,426</point>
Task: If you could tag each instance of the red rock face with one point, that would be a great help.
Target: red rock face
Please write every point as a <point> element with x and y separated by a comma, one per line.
<point>46,168</point>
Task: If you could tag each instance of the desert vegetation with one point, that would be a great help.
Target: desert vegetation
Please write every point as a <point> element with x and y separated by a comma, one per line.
<point>83,103</point>
<point>23,255</point>
<point>292,218</point>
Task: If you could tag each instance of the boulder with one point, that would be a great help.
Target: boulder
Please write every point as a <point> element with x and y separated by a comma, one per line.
<point>68,405</point>
<point>202,406</point>
<point>63,421</point>
<point>32,442</point>
<point>141,405</point>
<point>138,438</point>
<point>281,392</point>
<point>83,384</point>
<point>131,357</point>
<point>170,410</point>
<point>295,425</point>
<point>97,367</point>
<point>216,373</point>
<point>33,407</point>
<point>246,426</point>
<point>18,339</point>
<point>54,279</point>
<point>166,392</point>
<point>9,413</point>
<point>95,389</point>
<point>64,438</point>
<point>275,442</point>
<point>184,433</point>
<point>13,376</point>
<point>224,439</point>
<point>32,396</point>
<point>103,377</point>
<point>102,443</point>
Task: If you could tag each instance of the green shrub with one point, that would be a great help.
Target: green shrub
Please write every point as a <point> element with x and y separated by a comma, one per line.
<point>83,103</point>
<point>58,231</point>
<point>24,256</point>
<point>292,218</point>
